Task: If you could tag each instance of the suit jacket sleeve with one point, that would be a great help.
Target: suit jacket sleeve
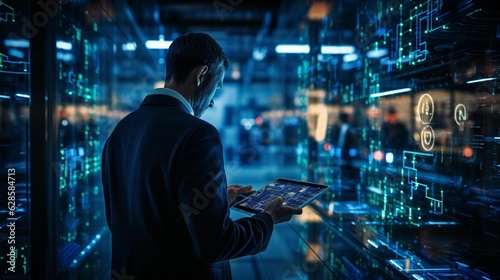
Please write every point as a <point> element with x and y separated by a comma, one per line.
<point>199,173</point>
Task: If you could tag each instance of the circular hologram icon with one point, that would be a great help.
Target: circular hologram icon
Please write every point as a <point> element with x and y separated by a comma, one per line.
<point>427,138</point>
<point>425,109</point>
<point>460,114</point>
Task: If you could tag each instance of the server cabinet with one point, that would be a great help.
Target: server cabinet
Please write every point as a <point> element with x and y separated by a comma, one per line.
<point>15,73</point>
<point>58,97</point>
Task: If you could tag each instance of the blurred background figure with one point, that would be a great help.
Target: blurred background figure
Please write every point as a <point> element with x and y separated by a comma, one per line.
<point>394,133</point>
<point>345,141</point>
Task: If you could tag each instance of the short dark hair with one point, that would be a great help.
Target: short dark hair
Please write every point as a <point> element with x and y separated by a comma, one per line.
<point>190,50</point>
<point>392,110</point>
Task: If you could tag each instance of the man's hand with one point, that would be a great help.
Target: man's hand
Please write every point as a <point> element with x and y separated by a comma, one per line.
<point>279,212</point>
<point>234,190</point>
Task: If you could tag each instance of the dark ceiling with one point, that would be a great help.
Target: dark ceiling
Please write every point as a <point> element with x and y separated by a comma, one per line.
<point>240,26</point>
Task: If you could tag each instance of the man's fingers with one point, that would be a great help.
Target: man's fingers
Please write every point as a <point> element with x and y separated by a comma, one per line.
<point>244,189</point>
<point>294,210</point>
<point>249,192</point>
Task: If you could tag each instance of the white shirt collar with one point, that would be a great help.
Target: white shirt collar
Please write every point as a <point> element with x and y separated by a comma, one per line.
<point>176,95</point>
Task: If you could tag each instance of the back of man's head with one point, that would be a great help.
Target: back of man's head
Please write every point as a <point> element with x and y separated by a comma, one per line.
<point>190,50</point>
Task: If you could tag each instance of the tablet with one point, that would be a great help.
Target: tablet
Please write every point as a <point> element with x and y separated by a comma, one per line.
<point>295,194</point>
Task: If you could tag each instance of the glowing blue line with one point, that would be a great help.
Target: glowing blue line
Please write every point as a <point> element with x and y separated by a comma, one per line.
<point>390,92</point>
<point>22,95</point>
<point>481,80</point>
<point>372,243</point>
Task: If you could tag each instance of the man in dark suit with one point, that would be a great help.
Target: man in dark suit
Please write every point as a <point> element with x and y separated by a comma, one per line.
<point>167,200</point>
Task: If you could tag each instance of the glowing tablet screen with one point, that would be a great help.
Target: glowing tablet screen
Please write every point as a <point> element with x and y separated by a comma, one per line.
<point>295,194</point>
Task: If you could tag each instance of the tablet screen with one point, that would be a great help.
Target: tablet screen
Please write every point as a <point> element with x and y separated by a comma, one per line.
<point>294,193</point>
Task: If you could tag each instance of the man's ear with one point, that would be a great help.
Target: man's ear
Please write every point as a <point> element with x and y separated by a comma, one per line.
<point>200,73</point>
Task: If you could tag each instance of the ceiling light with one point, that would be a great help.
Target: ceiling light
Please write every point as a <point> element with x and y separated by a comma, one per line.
<point>481,80</point>
<point>390,92</point>
<point>378,53</point>
<point>16,43</point>
<point>65,56</point>
<point>329,49</point>
<point>158,44</point>
<point>17,53</point>
<point>342,49</point>
<point>64,45</point>
<point>292,49</point>
<point>350,57</point>
<point>129,46</point>
<point>22,95</point>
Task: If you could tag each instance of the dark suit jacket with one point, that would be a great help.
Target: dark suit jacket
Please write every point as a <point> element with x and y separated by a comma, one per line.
<point>166,197</point>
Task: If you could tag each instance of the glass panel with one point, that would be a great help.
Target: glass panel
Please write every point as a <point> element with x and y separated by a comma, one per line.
<point>14,127</point>
<point>405,128</point>
<point>92,38</point>
<point>84,53</point>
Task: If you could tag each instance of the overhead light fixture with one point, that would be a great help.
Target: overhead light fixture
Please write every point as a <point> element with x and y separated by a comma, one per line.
<point>22,95</point>
<point>481,80</point>
<point>378,53</point>
<point>17,53</point>
<point>65,56</point>
<point>329,49</point>
<point>62,45</point>
<point>390,92</point>
<point>16,43</point>
<point>350,57</point>
<point>158,44</point>
<point>4,96</point>
<point>292,49</point>
<point>129,46</point>
<point>341,49</point>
